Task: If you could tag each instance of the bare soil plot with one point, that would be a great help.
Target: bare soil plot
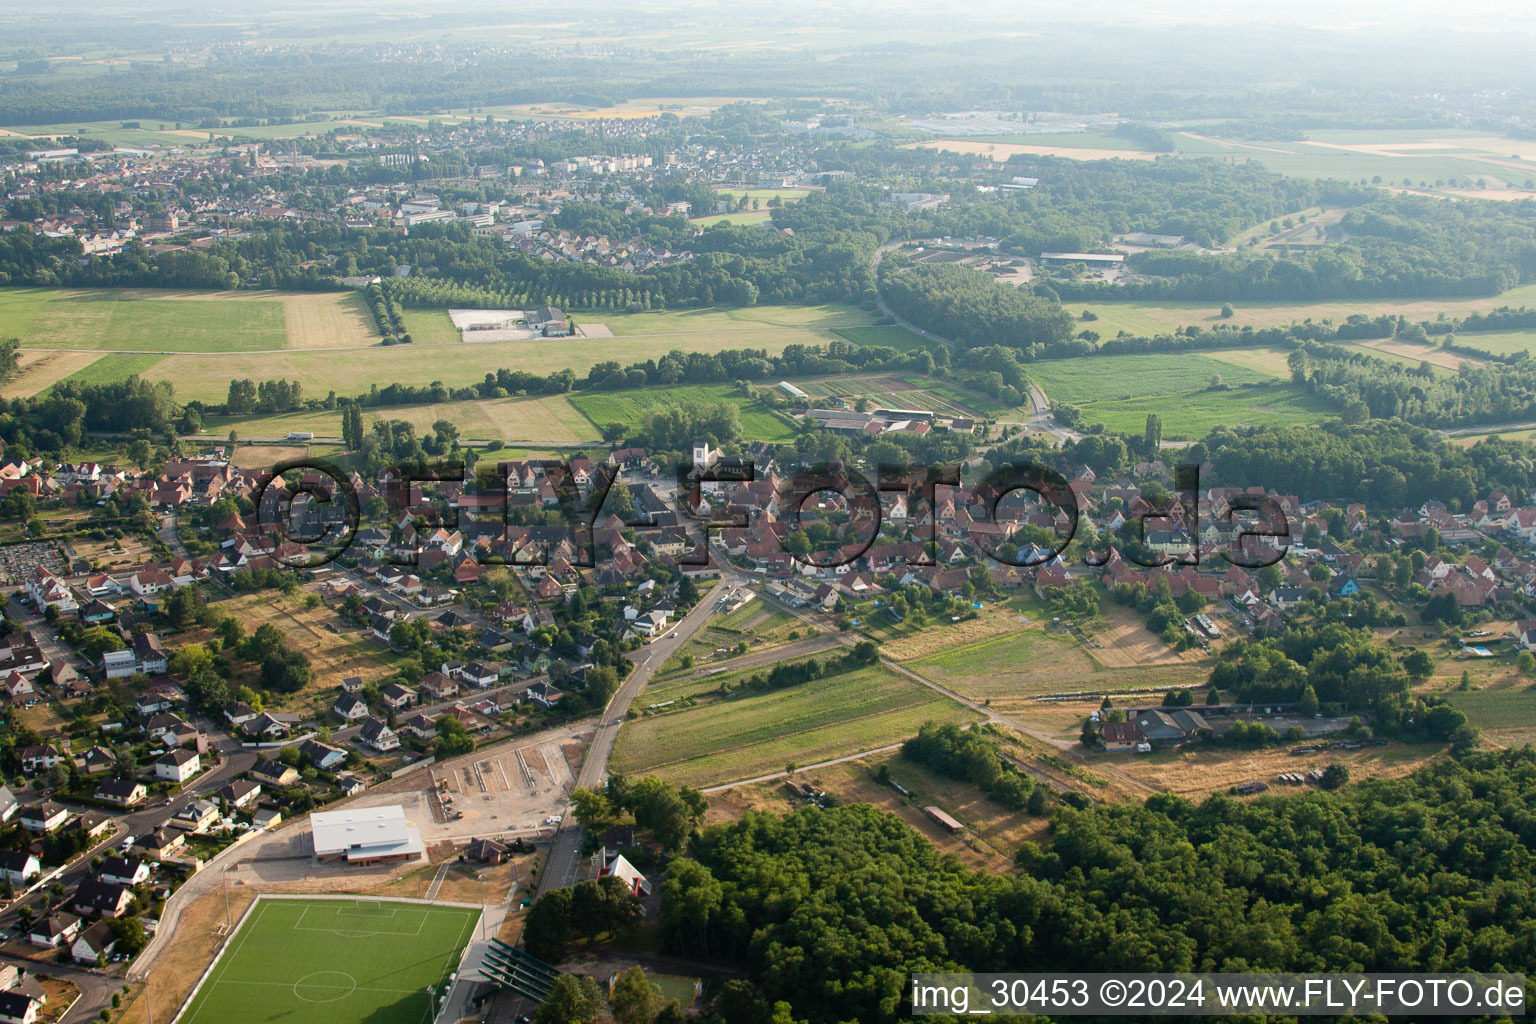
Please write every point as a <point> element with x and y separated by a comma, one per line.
<point>1196,770</point>
<point>1001,151</point>
<point>952,636</point>
<point>39,370</point>
<point>1425,353</point>
<point>1127,643</point>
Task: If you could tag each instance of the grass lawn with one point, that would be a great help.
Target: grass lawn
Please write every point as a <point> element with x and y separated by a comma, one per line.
<point>1500,343</point>
<point>758,423</point>
<point>888,335</point>
<point>130,320</point>
<point>431,327</point>
<point>352,372</point>
<point>1496,710</point>
<point>744,217</point>
<point>747,318</point>
<point>1097,378</point>
<point>722,740</point>
<point>338,960</point>
<point>171,320</point>
<point>117,366</point>
<point>1120,391</point>
<point>1162,317</point>
<point>1190,416</point>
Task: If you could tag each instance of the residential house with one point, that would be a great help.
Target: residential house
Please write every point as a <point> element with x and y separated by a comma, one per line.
<point>44,817</point>
<point>54,930</point>
<point>123,871</point>
<point>398,696</point>
<point>94,945</point>
<point>1120,735</point>
<point>96,897</point>
<point>161,843</point>
<point>240,793</point>
<point>273,773</point>
<point>122,792</point>
<point>197,816</point>
<point>177,765</point>
<point>19,867</point>
<point>323,755</point>
<point>17,1007</point>
<point>379,736</point>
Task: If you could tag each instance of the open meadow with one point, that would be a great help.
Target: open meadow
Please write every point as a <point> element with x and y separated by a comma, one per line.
<point>721,740</point>
<point>165,320</point>
<point>1423,158</point>
<point>1150,318</point>
<point>758,422</point>
<point>1120,391</point>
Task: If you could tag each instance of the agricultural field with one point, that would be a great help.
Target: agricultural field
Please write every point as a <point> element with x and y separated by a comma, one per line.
<point>163,320</point>
<point>1010,671</point>
<point>549,419</point>
<point>722,740</point>
<point>1150,318</point>
<point>715,320</point>
<point>760,626</point>
<point>40,369</point>
<point>1500,343</point>
<point>758,422</point>
<point>116,366</point>
<point>892,391</point>
<point>888,335</point>
<point>1423,156</point>
<point>431,327</point>
<point>1120,391</point>
<point>1507,714</point>
<point>354,372</point>
<point>364,961</point>
<point>743,217</point>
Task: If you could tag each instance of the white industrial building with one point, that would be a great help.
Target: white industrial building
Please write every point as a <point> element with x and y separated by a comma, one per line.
<point>365,836</point>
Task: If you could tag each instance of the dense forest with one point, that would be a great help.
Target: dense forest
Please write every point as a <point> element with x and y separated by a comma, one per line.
<point>832,909</point>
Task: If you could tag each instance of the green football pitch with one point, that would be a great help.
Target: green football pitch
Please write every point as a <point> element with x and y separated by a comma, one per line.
<point>342,961</point>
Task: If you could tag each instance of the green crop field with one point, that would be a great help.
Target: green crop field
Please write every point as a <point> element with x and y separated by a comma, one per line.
<point>343,961</point>
<point>115,367</point>
<point>888,335</point>
<point>178,321</point>
<point>1119,391</point>
<point>353,372</point>
<point>1147,319</point>
<point>724,740</point>
<point>1097,378</point>
<point>1500,343</point>
<point>431,327</point>
<point>758,422</point>
<point>744,217</point>
<point>126,320</point>
<point>1497,709</point>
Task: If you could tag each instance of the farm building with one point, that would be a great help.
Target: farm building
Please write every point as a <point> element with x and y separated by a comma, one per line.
<point>365,836</point>
<point>950,824</point>
<point>790,390</point>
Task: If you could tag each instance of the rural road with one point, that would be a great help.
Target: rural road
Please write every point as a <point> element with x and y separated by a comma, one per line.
<point>564,863</point>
